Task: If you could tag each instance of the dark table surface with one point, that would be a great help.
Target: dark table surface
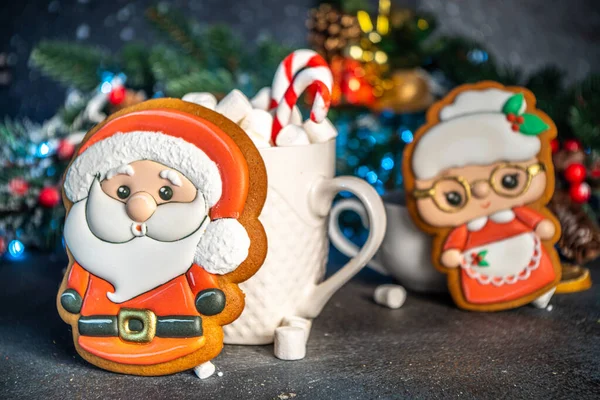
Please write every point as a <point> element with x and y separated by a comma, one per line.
<point>357,350</point>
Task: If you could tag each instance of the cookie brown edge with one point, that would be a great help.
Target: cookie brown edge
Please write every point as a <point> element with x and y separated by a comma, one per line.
<point>440,234</point>
<point>257,192</point>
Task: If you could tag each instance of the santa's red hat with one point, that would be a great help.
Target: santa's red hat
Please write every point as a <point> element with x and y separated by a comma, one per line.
<point>192,145</point>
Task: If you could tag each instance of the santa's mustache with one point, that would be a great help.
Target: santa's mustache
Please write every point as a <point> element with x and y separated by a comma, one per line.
<point>108,220</point>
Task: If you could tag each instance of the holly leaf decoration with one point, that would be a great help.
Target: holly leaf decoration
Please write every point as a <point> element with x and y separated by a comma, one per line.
<point>532,125</point>
<point>483,263</point>
<point>514,104</point>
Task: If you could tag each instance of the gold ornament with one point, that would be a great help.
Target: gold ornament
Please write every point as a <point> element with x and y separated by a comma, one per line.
<point>406,91</point>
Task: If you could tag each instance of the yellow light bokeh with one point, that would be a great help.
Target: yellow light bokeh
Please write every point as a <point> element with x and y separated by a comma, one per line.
<point>380,57</point>
<point>367,56</point>
<point>353,84</point>
<point>374,37</point>
<point>364,20</point>
<point>356,52</point>
<point>422,24</point>
<point>383,25</point>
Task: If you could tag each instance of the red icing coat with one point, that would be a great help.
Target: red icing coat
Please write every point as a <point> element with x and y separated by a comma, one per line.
<point>176,297</point>
<point>487,273</point>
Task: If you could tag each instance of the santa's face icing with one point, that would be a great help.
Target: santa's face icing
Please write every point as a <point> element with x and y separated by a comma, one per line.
<point>459,195</point>
<point>137,229</point>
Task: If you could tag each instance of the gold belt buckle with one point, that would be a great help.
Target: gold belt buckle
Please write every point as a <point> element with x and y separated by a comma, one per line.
<point>146,317</point>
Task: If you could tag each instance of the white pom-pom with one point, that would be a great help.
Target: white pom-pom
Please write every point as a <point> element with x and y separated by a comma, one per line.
<point>320,132</point>
<point>292,135</point>
<point>201,98</point>
<point>234,106</point>
<point>223,247</point>
<point>259,122</point>
<point>262,99</point>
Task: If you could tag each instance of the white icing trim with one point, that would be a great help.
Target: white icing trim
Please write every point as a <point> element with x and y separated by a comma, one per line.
<point>499,217</point>
<point>223,247</point>
<point>475,139</point>
<point>125,148</point>
<point>477,101</point>
<point>172,176</point>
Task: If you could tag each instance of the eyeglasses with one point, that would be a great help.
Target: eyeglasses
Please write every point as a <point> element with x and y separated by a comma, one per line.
<point>451,194</point>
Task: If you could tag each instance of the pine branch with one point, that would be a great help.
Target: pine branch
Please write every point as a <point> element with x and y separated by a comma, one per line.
<point>583,113</point>
<point>136,65</point>
<point>178,30</point>
<point>167,64</point>
<point>71,64</point>
<point>224,48</point>
<point>218,82</point>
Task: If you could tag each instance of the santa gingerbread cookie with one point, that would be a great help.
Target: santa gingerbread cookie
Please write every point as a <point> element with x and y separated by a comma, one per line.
<point>478,176</point>
<point>162,224</point>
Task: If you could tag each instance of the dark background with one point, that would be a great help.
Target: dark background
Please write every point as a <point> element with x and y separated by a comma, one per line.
<point>524,33</point>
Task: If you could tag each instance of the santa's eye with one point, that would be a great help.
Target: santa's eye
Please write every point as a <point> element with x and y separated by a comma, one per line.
<point>123,192</point>
<point>453,198</point>
<point>510,181</point>
<point>165,193</point>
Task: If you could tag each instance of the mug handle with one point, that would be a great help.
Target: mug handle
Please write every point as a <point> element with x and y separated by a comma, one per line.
<point>320,197</point>
<point>340,241</point>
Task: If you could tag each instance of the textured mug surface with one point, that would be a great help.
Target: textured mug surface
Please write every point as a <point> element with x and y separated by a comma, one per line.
<point>295,220</point>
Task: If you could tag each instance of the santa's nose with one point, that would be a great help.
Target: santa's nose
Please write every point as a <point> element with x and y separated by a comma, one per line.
<point>140,206</point>
<point>481,189</point>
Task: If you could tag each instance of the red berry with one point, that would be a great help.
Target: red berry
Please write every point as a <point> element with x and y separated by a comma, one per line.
<point>572,145</point>
<point>18,186</point>
<point>49,197</point>
<point>65,149</point>
<point>515,127</point>
<point>511,117</point>
<point>580,192</point>
<point>575,173</point>
<point>520,119</point>
<point>117,95</point>
<point>554,145</point>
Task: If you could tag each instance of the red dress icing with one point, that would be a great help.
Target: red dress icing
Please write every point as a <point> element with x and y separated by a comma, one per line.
<point>476,292</point>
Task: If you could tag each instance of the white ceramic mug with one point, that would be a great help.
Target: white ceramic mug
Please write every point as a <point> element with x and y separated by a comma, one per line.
<point>289,284</point>
<point>405,252</point>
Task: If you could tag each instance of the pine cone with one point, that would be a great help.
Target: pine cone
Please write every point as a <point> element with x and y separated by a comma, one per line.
<point>580,240</point>
<point>331,31</point>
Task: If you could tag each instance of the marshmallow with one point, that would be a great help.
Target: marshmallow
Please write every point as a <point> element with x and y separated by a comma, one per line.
<point>292,135</point>
<point>290,343</point>
<point>296,117</point>
<point>392,296</point>
<point>299,322</point>
<point>262,99</point>
<point>203,99</point>
<point>258,140</point>
<point>260,122</point>
<point>204,370</point>
<point>319,132</point>
<point>234,106</point>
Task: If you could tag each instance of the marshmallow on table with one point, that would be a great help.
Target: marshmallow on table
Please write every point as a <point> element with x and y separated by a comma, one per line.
<point>299,322</point>
<point>262,99</point>
<point>319,132</point>
<point>290,343</point>
<point>234,106</point>
<point>204,99</point>
<point>204,370</point>
<point>392,296</point>
<point>292,135</point>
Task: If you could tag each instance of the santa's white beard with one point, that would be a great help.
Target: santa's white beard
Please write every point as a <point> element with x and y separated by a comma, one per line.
<point>102,240</point>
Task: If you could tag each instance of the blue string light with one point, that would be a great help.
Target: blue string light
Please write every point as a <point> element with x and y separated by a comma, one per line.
<point>477,56</point>
<point>362,171</point>
<point>16,248</point>
<point>387,163</point>
<point>43,150</point>
<point>406,136</point>
<point>371,177</point>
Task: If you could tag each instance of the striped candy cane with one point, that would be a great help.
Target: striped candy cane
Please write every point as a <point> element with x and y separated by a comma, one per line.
<point>297,72</point>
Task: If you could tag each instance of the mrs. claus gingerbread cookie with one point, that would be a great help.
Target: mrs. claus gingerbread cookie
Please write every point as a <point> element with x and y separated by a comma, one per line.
<point>163,201</point>
<point>478,176</point>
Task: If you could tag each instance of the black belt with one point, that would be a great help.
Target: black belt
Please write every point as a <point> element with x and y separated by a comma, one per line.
<point>140,326</point>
